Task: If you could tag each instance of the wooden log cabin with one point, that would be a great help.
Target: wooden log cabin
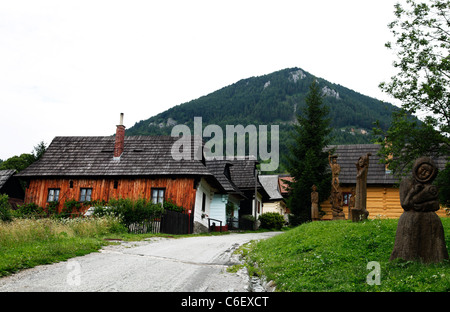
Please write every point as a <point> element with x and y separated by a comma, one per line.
<point>383,199</point>
<point>101,168</point>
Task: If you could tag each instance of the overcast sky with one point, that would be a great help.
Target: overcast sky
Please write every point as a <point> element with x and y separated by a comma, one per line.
<point>71,67</point>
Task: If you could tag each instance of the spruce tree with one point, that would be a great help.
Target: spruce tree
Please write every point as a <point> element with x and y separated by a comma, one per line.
<point>307,160</point>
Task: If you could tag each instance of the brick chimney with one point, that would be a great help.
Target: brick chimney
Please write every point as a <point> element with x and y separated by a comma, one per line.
<point>120,137</point>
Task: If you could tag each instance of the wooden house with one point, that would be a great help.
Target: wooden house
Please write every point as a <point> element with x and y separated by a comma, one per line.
<point>225,203</point>
<point>383,199</point>
<point>275,202</point>
<point>244,175</point>
<point>101,168</point>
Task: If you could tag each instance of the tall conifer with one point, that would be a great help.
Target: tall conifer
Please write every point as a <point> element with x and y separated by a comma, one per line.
<point>307,159</point>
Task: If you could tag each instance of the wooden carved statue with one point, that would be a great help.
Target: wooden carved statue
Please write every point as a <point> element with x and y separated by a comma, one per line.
<point>351,203</point>
<point>335,170</point>
<point>420,234</point>
<point>336,198</point>
<point>362,167</point>
<point>314,204</point>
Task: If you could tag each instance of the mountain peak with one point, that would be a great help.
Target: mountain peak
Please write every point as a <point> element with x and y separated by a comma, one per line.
<point>275,98</point>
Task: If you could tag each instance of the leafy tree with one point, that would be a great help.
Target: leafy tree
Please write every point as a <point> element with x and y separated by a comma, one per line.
<point>422,83</point>
<point>24,160</point>
<point>307,160</point>
<point>39,150</point>
<point>18,162</point>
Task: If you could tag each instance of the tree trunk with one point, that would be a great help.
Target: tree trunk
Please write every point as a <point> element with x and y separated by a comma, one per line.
<point>420,236</point>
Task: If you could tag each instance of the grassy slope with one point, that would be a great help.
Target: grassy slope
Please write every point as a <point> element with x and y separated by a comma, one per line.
<point>333,256</point>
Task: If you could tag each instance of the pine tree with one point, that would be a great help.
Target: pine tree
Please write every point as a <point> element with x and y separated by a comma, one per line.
<point>308,160</point>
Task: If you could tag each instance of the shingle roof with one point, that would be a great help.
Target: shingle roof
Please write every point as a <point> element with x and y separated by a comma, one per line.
<point>270,184</point>
<point>5,175</point>
<point>93,156</point>
<point>243,173</point>
<point>348,155</point>
<point>217,168</point>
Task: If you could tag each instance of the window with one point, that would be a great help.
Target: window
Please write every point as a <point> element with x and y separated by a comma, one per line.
<point>85,194</point>
<point>116,184</point>
<point>346,197</point>
<point>158,195</point>
<point>204,202</point>
<point>53,194</point>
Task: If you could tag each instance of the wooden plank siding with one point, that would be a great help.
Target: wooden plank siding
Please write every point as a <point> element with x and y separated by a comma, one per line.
<point>180,190</point>
<point>382,202</point>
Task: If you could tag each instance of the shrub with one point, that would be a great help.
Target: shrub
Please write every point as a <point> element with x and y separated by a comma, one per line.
<point>130,211</point>
<point>71,206</point>
<point>5,208</point>
<point>30,210</point>
<point>271,220</point>
<point>247,222</point>
<point>170,205</point>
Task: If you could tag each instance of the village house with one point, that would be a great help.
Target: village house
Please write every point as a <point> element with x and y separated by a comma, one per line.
<point>276,202</point>
<point>383,199</point>
<point>225,205</point>
<point>100,168</point>
<point>244,175</point>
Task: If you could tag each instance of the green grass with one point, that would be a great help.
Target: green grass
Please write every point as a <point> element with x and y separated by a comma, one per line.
<point>25,243</point>
<point>333,256</point>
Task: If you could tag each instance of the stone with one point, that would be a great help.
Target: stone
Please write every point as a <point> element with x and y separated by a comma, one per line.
<point>420,234</point>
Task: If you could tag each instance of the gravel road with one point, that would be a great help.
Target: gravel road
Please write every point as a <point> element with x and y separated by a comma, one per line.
<point>193,264</point>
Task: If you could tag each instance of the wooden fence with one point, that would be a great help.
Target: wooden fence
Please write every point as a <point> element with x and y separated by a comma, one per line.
<point>171,222</point>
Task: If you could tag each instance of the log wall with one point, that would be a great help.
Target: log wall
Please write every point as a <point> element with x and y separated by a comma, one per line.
<point>180,190</point>
<point>382,202</point>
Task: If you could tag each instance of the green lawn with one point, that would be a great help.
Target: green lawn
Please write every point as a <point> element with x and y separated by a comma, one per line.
<point>333,256</point>
<point>25,243</point>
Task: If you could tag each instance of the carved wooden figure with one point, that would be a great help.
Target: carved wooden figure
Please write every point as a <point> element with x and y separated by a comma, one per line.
<point>420,234</point>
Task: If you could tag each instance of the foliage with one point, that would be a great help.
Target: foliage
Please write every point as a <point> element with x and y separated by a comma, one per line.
<point>21,162</point>
<point>230,207</point>
<point>18,162</point>
<point>407,140</point>
<point>307,162</point>
<point>422,32</point>
<point>333,256</point>
<point>170,205</point>
<point>52,208</point>
<point>271,220</point>
<point>443,184</point>
<point>71,206</point>
<point>130,211</point>
<point>5,208</point>
<point>30,210</point>
<point>248,102</point>
<point>247,222</point>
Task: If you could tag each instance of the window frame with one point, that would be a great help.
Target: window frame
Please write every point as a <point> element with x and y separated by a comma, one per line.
<point>55,194</point>
<point>158,199</point>
<point>84,198</point>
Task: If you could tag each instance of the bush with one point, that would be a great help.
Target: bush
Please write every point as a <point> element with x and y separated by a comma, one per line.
<point>30,210</point>
<point>130,211</point>
<point>170,205</point>
<point>271,220</point>
<point>247,222</point>
<point>5,208</point>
